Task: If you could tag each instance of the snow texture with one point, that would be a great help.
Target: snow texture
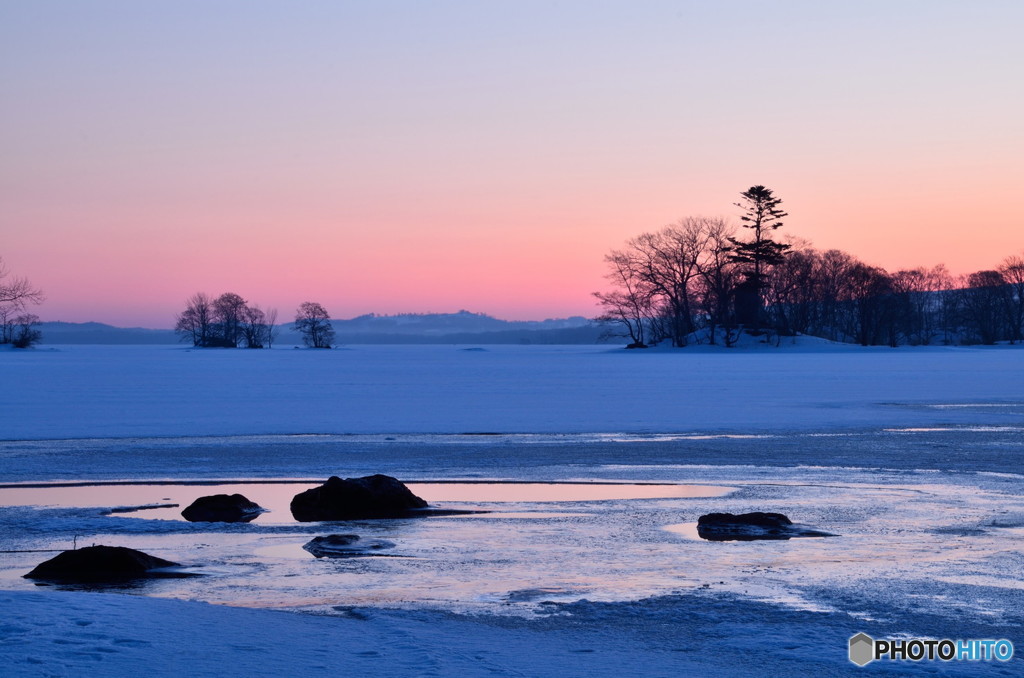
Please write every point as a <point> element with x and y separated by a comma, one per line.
<point>911,456</point>
<point>125,391</point>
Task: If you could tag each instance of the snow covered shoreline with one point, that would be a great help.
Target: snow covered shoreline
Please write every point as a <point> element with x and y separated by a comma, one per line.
<point>76,634</point>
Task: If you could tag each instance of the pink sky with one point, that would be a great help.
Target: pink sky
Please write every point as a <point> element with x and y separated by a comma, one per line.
<point>398,157</point>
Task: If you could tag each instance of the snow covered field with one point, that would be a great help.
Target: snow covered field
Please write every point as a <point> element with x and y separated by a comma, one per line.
<point>912,456</point>
<point>127,391</point>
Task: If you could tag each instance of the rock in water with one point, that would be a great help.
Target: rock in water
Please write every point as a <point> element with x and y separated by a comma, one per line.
<point>756,518</point>
<point>743,526</point>
<point>376,496</point>
<point>222,508</point>
<point>344,546</point>
<point>98,564</point>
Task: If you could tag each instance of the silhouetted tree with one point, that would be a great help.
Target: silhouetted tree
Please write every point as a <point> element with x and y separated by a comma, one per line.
<point>1012,270</point>
<point>271,319</point>
<point>668,283</point>
<point>17,292</point>
<point>761,214</point>
<point>871,308</point>
<point>25,333</point>
<point>986,301</point>
<point>314,323</point>
<point>666,261</point>
<point>631,304</point>
<point>918,295</point>
<point>15,296</point>
<point>830,288</point>
<point>789,291</point>
<point>692,279</point>
<point>228,315</point>
<point>718,279</point>
<point>225,322</point>
<point>196,321</point>
<point>253,327</point>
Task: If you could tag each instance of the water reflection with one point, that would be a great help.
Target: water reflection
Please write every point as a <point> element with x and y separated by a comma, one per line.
<point>162,502</point>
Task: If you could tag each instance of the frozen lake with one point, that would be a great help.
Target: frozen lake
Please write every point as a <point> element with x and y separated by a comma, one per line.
<point>913,458</point>
<point>945,531</point>
<point>129,391</point>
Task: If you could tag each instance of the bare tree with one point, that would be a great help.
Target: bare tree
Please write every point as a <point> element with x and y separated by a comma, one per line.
<point>196,321</point>
<point>789,290</point>
<point>271,318</point>
<point>253,326</point>
<point>664,280</point>
<point>257,327</point>
<point>871,314</point>
<point>668,262</point>
<point>631,304</point>
<point>25,332</point>
<point>17,292</point>
<point>228,315</point>
<point>985,303</point>
<point>314,323</point>
<point>919,295</point>
<point>832,287</point>
<point>718,279</point>
<point>1012,270</point>
<point>7,316</point>
<point>15,295</point>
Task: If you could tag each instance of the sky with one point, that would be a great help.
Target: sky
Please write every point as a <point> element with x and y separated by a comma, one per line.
<point>397,157</point>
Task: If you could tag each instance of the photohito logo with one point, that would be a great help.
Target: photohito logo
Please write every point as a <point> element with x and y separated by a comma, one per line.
<point>864,649</point>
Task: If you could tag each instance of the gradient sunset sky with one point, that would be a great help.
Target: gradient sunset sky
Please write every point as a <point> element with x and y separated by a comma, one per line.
<point>435,156</point>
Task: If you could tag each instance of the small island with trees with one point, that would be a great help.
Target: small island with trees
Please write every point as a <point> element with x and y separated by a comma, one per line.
<point>229,321</point>
<point>696,281</point>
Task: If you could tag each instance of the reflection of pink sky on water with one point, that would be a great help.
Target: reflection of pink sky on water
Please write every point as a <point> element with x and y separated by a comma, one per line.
<point>276,497</point>
<point>893,527</point>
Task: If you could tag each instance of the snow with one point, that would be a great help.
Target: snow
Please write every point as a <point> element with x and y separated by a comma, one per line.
<point>89,634</point>
<point>912,456</point>
<point>103,391</point>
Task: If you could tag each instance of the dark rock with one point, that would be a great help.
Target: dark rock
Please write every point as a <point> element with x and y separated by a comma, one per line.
<point>97,564</point>
<point>756,518</point>
<point>376,496</point>
<point>636,344</point>
<point>344,546</point>
<point>222,508</point>
<point>751,526</point>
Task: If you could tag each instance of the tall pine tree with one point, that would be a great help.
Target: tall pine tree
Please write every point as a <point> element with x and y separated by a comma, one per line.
<point>762,214</point>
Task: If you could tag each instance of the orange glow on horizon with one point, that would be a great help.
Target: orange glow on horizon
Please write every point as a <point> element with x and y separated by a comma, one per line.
<point>423,161</point>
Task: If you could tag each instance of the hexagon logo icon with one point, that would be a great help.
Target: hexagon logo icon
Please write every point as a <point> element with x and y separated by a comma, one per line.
<point>862,649</point>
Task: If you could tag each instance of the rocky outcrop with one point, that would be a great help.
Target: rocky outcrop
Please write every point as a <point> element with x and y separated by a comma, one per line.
<point>98,564</point>
<point>376,496</point>
<point>345,546</point>
<point>222,508</point>
<point>752,526</point>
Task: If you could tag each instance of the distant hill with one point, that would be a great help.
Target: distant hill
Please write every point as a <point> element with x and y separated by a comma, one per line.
<point>99,333</point>
<point>463,327</point>
<point>447,323</point>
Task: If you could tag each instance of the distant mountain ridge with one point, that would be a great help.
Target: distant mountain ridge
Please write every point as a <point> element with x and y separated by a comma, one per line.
<point>404,328</point>
<point>447,323</point>
<point>101,333</point>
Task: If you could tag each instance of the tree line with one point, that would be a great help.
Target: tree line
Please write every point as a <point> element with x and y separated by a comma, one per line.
<point>17,326</point>
<point>229,321</point>
<point>697,281</point>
